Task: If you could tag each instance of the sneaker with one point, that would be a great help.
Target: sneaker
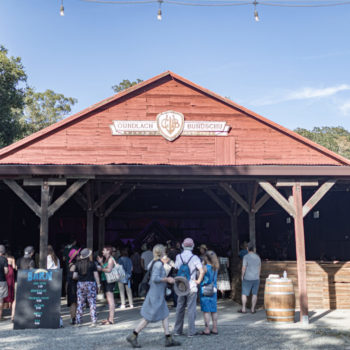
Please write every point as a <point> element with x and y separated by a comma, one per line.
<point>169,341</point>
<point>131,306</point>
<point>122,307</point>
<point>192,335</point>
<point>93,324</point>
<point>132,339</point>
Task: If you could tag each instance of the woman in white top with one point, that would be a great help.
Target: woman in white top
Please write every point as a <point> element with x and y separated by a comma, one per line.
<point>53,263</point>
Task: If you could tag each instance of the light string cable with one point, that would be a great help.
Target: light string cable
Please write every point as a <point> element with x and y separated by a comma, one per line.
<point>219,3</point>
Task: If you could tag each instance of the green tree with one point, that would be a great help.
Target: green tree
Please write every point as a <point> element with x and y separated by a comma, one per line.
<point>125,84</point>
<point>336,139</point>
<point>43,109</point>
<point>11,96</point>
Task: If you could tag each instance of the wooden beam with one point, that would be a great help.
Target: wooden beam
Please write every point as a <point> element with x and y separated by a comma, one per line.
<point>273,192</point>
<point>317,196</point>
<point>218,201</point>
<point>291,182</point>
<point>112,190</point>
<point>81,200</point>
<point>118,201</point>
<point>235,196</point>
<point>26,198</point>
<point>66,195</point>
<point>50,182</point>
<point>44,225</point>
<point>300,252</point>
<point>261,202</point>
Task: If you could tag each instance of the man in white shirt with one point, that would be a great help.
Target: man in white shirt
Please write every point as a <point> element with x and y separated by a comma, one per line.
<point>146,257</point>
<point>189,300</point>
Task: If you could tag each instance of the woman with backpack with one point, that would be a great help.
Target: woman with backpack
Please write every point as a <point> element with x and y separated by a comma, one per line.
<point>106,265</point>
<point>87,276</point>
<point>155,308</point>
<point>208,292</point>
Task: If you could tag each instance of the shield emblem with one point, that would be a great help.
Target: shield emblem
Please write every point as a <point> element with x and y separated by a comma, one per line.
<point>170,124</point>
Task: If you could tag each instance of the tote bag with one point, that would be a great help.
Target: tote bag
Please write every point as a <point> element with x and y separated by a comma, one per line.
<point>117,274</point>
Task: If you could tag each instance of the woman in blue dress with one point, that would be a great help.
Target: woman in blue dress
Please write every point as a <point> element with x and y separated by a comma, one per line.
<point>209,303</point>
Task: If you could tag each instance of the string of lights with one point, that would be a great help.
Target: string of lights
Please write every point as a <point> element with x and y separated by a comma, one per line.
<point>221,3</point>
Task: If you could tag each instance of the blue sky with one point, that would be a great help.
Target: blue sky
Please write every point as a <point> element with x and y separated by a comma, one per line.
<point>292,67</point>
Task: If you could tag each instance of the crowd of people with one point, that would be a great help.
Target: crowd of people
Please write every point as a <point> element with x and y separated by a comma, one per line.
<point>173,272</point>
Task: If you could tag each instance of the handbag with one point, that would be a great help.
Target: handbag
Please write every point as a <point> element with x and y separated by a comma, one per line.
<point>144,285</point>
<point>209,289</point>
<point>116,275</point>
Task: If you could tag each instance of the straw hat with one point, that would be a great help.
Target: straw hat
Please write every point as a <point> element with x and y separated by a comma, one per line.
<point>181,286</point>
<point>85,253</point>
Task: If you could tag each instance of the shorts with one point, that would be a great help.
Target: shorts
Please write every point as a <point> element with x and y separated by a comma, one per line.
<point>3,290</point>
<point>250,286</point>
<point>108,287</point>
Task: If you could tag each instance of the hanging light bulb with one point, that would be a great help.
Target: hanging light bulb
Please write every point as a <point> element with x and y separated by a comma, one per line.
<point>159,15</point>
<point>256,15</point>
<point>62,9</point>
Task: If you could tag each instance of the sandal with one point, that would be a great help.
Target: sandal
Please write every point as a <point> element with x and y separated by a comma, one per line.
<point>215,333</point>
<point>242,312</point>
<point>204,333</point>
<point>106,322</point>
<point>253,312</point>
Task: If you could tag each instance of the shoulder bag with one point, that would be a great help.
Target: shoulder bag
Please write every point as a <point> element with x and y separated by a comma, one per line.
<point>208,290</point>
<point>116,275</point>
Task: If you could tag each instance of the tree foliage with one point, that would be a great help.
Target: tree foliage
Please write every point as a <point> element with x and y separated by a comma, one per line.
<point>43,109</point>
<point>12,96</point>
<point>336,139</point>
<point>125,84</point>
<point>22,109</point>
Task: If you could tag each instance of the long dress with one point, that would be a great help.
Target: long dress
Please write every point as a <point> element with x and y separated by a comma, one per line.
<point>155,308</point>
<point>10,279</point>
<point>223,276</point>
<point>208,304</point>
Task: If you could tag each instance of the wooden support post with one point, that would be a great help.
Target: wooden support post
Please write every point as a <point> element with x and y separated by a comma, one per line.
<point>44,224</point>
<point>234,235</point>
<point>90,229</point>
<point>252,231</point>
<point>90,216</point>
<point>300,251</point>
<point>101,231</point>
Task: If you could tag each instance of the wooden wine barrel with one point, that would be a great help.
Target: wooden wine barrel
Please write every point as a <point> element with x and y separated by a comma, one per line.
<point>279,300</point>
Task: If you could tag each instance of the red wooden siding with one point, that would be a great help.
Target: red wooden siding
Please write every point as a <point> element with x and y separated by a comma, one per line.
<point>89,140</point>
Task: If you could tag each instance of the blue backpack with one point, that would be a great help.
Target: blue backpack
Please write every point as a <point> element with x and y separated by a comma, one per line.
<point>184,269</point>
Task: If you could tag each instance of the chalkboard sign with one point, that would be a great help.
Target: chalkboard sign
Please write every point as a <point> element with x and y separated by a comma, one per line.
<point>38,299</point>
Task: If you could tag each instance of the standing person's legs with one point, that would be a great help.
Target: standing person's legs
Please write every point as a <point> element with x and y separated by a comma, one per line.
<point>122,294</point>
<point>81,295</point>
<point>111,306</point>
<point>73,310</point>
<point>255,289</point>
<point>214,319</point>
<point>91,298</point>
<point>1,307</point>
<point>129,294</point>
<point>191,312</point>
<point>246,288</point>
<point>206,316</point>
<point>180,315</point>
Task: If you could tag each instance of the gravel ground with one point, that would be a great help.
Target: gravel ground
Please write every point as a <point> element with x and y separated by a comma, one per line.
<point>235,332</point>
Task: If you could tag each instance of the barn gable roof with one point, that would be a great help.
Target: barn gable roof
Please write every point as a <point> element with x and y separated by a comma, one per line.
<point>7,152</point>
